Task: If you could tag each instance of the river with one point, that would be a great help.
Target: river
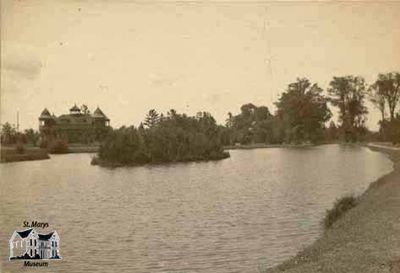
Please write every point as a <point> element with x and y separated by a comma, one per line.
<point>241,214</point>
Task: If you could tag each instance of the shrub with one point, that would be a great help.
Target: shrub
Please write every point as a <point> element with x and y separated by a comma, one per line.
<point>340,207</point>
<point>95,161</point>
<point>20,149</point>
<point>43,143</point>
<point>58,146</point>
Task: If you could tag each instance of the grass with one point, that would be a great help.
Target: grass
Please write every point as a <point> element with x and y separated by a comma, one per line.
<point>21,153</point>
<point>340,207</point>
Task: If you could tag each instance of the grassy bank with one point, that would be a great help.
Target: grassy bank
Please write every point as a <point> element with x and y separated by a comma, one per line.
<point>11,154</point>
<point>366,239</point>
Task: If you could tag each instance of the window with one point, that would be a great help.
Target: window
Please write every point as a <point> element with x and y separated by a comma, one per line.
<point>35,242</point>
<point>31,252</point>
<point>31,244</point>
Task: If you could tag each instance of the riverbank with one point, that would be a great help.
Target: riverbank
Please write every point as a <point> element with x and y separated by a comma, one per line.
<point>10,154</point>
<point>366,239</point>
<point>262,145</point>
<point>76,148</point>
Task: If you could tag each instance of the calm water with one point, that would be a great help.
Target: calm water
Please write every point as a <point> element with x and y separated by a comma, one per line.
<point>247,212</point>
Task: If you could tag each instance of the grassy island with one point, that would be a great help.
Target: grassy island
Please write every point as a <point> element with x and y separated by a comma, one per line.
<point>163,139</point>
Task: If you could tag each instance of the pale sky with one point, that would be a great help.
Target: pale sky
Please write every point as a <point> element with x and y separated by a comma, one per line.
<point>129,57</point>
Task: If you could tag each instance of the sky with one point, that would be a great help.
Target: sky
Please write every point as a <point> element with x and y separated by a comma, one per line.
<point>128,57</point>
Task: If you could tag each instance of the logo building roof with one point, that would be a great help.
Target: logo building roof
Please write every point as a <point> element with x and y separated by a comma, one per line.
<point>45,237</point>
<point>25,233</point>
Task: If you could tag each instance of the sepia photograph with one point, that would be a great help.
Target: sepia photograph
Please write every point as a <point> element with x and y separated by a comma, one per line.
<point>199,136</point>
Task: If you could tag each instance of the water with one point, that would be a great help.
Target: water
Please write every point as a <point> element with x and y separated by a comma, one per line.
<point>241,214</point>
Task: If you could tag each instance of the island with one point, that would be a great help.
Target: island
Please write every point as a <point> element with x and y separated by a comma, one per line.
<point>163,139</point>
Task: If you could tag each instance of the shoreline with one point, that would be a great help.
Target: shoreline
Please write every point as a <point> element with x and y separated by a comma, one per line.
<point>10,154</point>
<point>30,153</point>
<point>266,146</point>
<point>366,239</point>
<point>76,149</point>
<point>107,164</point>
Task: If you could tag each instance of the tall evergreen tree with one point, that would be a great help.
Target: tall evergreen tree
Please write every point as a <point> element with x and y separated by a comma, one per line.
<point>152,118</point>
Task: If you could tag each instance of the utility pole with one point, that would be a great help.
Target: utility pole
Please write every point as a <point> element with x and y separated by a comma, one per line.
<point>17,121</point>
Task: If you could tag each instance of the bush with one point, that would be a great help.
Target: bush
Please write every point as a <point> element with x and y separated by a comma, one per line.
<point>43,143</point>
<point>58,146</point>
<point>340,207</point>
<point>20,149</point>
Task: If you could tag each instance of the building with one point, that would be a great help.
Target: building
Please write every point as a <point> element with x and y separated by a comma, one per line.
<point>28,244</point>
<point>76,127</point>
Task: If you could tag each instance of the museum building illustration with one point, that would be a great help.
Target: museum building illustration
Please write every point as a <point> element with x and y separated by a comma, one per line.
<point>29,244</point>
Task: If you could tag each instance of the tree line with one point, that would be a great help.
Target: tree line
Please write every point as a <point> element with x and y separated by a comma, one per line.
<point>303,115</point>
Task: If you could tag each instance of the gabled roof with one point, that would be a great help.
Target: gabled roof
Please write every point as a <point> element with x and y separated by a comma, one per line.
<point>45,237</point>
<point>75,108</point>
<point>45,114</point>
<point>25,233</point>
<point>99,114</point>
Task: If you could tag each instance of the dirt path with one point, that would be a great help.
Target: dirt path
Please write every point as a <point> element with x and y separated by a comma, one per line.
<point>364,240</point>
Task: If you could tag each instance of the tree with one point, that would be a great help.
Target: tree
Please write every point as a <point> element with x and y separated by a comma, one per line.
<point>85,109</point>
<point>177,137</point>
<point>252,125</point>
<point>229,120</point>
<point>387,86</point>
<point>331,133</point>
<point>152,118</point>
<point>8,134</point>
<point>348,94</point>
<point>262,113</point>
<point>248,109</point>
<point>386,92</point>
<point>303,111</point>
<point>32,136</point>
<point>377,97</point>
